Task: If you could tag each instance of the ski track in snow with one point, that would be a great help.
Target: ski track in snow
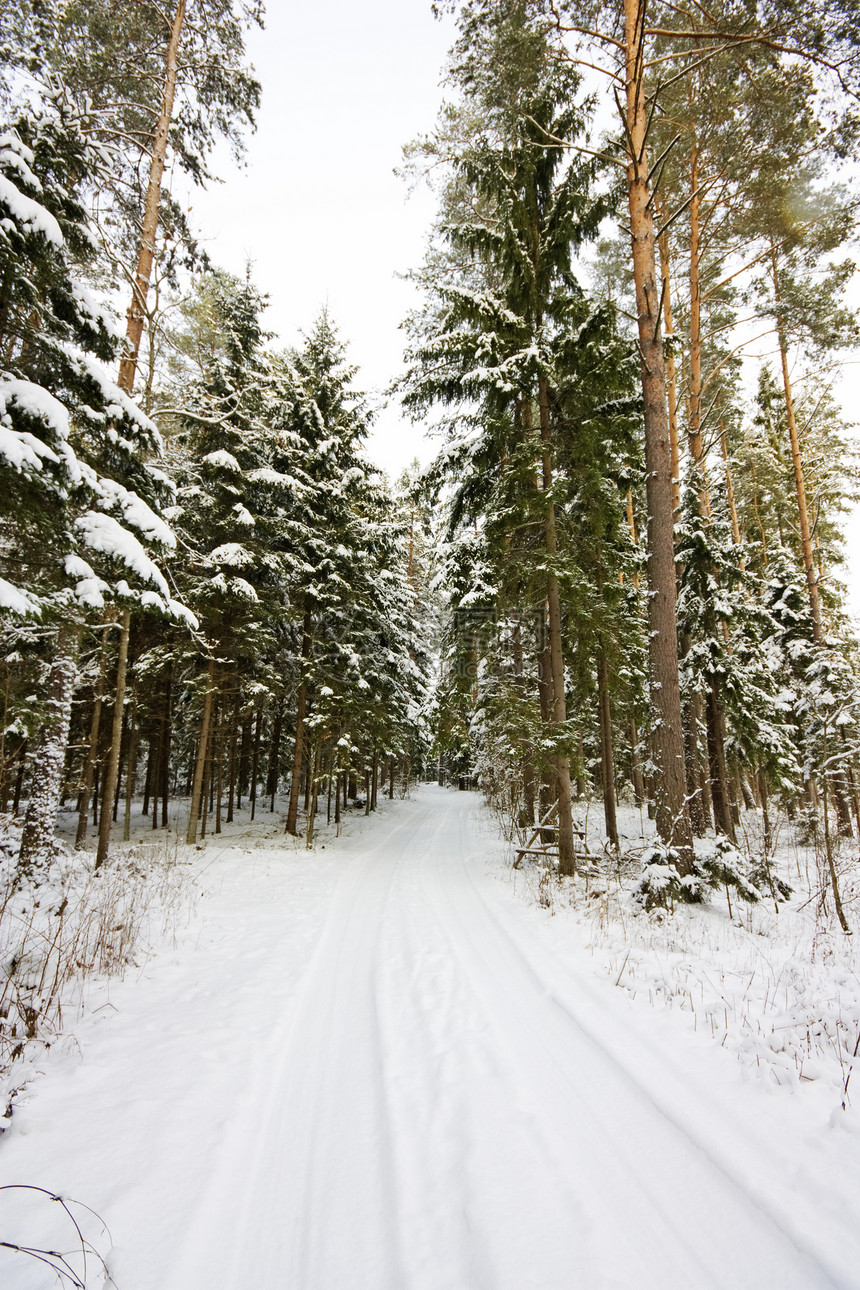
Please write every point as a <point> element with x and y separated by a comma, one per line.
<point>445,1105</point>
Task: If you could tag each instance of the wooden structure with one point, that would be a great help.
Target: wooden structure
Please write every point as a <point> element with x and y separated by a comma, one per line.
<point>544,838</point>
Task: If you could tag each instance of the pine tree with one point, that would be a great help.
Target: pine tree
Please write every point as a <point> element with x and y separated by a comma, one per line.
<point>82,505</point>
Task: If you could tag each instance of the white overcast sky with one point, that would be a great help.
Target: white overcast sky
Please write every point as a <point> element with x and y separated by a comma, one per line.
<point>318,208</point>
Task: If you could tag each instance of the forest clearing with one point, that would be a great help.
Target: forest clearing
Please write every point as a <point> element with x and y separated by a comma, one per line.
<point>433,860</point>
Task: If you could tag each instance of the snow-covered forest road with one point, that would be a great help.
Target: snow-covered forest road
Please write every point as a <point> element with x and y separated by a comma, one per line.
<point>380,1076</point>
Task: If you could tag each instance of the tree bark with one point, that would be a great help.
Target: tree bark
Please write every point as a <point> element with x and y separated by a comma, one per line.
<point>234,742</point>
<point>797,464</point>
<point>152,203</point>
<point>131,771</point>
<point>607,759</point>
<point>112,768</point>
<point>255,761</point>
<point>566,855</point>
<point>274,759</point>
<point>301,713</point>
<point>200,766</point>
<point>673,824</point>
<point>671,381</point>
<point>722,805</point>
<point>92,748</point>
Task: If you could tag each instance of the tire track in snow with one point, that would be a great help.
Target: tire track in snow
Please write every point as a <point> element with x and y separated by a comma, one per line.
<point>437,1113</point>
<point>310,1157</point>
<point>655,1200</point>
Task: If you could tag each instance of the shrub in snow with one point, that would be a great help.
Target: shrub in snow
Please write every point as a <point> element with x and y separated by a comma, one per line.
<point>661,885</point>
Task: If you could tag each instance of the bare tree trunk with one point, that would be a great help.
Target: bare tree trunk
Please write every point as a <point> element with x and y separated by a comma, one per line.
<point>166,735</point>
<point>219,765</point>
<point>673,824</point>
<point>242,781</point>
<point>123,756</point>
<point>723,818</point>
<point>607,759</point>
<point>152,203</point>
<point>301,713</point>
<point>730,493</point>
<point>197,786</point>
<point>112,768</point>
<point>671,382</point>
<point>92,748</point>
<point>635,765</point>
<point>37,838</point>
<point>527,814</point>
<point>131,771</point>
<point>147,779</point>
<point>547,785</point>
<point>797,465</point>
<point>234,739</point>
<point>155,767</point>
<point>274,759</point>
<point>555,647</point>
<point>134,332</point>
<point>312,804</point>
<point>255,761</point>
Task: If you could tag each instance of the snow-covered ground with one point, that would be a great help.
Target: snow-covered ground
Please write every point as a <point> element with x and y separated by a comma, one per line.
<point>393,1064</point>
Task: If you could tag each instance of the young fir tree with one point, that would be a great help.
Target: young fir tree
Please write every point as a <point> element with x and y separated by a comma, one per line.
<point>509,329</point>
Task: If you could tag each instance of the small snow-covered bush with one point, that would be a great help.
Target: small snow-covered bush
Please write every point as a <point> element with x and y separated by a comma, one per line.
<point>661,883</point>
<point>73,923</point>
<point>725,866</point>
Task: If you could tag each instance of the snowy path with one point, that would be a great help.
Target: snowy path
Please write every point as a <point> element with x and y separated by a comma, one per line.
<point>442,1104</point>
<point>439,1120</point>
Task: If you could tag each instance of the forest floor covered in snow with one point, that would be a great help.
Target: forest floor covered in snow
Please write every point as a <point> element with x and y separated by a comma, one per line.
<point>396,1063</point>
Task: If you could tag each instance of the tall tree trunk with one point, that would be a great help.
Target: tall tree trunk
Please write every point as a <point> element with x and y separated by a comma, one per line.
<point>797,464</point>
<point>219,765</point>
<point>112,767</point>
<point>730,492</point>
<point>255,761</point>
<point>234,741</point>
<point>527,812</point>
<point>673,823</point>
<point>134,331</point>
<point>202,748</point>
<point>242,782</point>
<point>671,378</point>
<point>720,792</point>
<point>566,855</point>
<point>607,759</point>
<point>166,736</point>
<point>152,204</point>
<point>123,756</point>
<point>274,759</point>
<point>635,765</point>
<point>694,427</point>
<point>314,785</point>
<point>92,748</point>
<point>132,769</point>
<point>37,838</point>
<point>301,713</point>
